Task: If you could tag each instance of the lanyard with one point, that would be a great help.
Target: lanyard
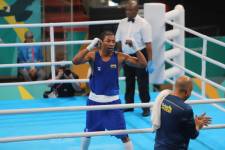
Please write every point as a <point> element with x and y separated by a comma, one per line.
<point>32,54</point>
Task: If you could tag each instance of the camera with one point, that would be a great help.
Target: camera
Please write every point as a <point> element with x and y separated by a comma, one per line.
<point>67,72</point>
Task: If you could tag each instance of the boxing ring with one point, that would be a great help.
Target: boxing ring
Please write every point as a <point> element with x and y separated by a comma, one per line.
<point>66,116</point>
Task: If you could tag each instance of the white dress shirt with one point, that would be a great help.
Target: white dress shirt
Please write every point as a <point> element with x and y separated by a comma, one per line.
<point>139,30</point>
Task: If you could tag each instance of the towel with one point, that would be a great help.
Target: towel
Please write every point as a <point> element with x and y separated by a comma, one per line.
<point>156,109</point>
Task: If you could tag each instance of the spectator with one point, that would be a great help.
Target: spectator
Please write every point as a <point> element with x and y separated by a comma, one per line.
<point>63,89</point>
<point>30,54</point>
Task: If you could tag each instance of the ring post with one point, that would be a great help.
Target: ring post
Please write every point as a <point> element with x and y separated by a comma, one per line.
<point>180,39</point>
<point>154,13</point>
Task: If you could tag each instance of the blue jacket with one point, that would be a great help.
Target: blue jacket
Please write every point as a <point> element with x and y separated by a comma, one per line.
<point>25,54</point>
<point>177,125</point>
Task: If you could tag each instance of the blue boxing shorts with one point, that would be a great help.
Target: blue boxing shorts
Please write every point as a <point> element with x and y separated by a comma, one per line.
<point>101,120</point>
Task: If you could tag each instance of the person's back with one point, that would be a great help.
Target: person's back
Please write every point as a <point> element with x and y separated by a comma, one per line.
<point>174,120</point>
<point>173,133</point>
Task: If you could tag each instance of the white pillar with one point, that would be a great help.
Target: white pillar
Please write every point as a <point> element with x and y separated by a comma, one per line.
<point>180,59</point>
<point>52,39</point>
<point>154,13</point>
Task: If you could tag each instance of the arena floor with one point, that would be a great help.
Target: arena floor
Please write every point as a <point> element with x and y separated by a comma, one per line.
<point>66,122</point>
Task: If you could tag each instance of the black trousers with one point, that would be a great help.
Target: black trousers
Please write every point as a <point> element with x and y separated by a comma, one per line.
<point>131,73</point>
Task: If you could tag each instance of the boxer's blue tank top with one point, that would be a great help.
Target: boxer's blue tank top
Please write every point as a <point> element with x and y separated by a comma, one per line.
<point>104,78</point>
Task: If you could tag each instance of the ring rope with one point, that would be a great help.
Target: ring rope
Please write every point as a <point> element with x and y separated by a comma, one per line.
<point>196,33</point>
<point>46,43</point>
<point>195,74</point>
<point>50,81</point>
<point>197,54</point>
<point>100,107</point>
<point>58,24</point>
<point>87,134</point>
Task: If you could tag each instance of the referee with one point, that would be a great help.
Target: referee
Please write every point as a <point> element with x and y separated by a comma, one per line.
<point>135,28</point>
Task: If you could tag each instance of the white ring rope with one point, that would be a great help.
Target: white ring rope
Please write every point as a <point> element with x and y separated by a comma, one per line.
<point>45,43</point>
<point>77,24</point>
<point>71,135</point>
<point>195,74</point>
<point>197,54</point>
<point>100,107</point>
<point>36,64</point>
<point>87,134</point>
<point>50,81</point>
<point>45,82</point>
<point>196,33</point>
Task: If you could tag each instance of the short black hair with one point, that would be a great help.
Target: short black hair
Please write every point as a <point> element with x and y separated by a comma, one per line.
<point>133,1</point>
<point>28,34</point>
<point>105,33</point>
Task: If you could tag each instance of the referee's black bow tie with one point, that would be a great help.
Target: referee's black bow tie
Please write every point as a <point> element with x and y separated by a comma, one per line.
<point>131,19</point>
